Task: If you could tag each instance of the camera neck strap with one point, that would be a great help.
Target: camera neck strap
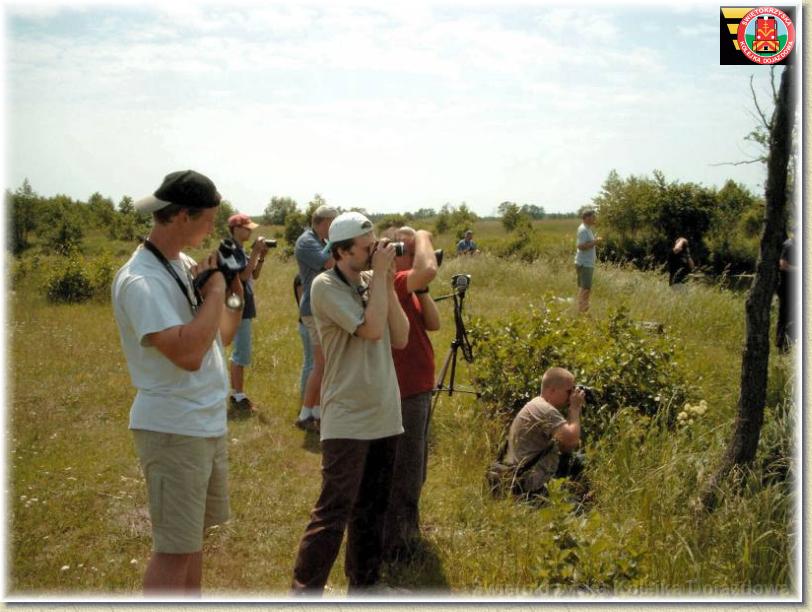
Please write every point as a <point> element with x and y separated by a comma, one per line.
<point>360,289</point>
<point>173,273</point>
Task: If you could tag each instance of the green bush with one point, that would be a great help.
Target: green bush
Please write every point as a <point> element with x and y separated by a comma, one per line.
<point>457,219</point>
<point>523,246</point>
<point>626,364</point>
<point>74,281</point>
<point>641,217</point>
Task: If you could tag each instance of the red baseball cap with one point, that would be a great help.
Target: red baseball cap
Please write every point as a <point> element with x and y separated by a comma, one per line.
<point>241,220</point>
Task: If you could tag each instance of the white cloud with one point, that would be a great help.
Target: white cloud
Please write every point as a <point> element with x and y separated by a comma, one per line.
<point>386,107</point>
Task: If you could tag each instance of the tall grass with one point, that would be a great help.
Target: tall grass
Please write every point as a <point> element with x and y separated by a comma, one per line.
<point>78,521</point>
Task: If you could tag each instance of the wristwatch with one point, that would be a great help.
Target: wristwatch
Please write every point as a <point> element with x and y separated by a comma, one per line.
<point>234,302</point>
<point>421,291</point>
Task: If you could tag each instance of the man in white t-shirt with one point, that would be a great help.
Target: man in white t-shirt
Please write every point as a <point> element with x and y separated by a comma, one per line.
<point>359,320</point>
<point>585,257</point>
<point>173,335</point>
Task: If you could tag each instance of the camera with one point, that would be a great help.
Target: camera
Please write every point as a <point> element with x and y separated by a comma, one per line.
<point>460,283</point>
<point>230,261</point>
<point>400,248</point>
<point>438,255</point>
<point>590,395</point>
<point>271,244</point>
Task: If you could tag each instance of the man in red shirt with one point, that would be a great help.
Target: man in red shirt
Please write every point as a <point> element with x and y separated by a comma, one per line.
<point>414,366</point>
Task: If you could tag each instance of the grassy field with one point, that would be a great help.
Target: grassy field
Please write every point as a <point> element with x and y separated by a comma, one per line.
<point>78,523</point>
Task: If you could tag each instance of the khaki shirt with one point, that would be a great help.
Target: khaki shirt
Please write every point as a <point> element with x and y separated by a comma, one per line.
<point>532,432</point>
<point>360,398</point>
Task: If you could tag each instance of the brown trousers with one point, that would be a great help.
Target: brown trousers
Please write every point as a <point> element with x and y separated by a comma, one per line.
<point>356,481</point>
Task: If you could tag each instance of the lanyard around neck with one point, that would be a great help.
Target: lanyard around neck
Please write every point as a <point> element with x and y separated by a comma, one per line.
<point>360,289</point>
<point>184,289</point>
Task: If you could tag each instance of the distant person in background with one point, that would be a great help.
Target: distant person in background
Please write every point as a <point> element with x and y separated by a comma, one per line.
<point>414,366</point>
<point>307,348</point>
<point>680,263</point>
<point>241,226</point>
<point>467,246</point>
<point>312,259</point>
<point>786,331</point>
<point>585,257</point>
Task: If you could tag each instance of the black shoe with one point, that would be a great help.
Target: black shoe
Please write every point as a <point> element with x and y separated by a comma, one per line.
<point>304,424</point>
<point>242,409</point>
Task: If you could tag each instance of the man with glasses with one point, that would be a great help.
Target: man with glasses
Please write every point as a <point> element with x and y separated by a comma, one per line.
<point>359,321</point>
<point>539,433</point>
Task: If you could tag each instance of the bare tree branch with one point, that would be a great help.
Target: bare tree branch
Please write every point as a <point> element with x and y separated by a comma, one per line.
<point>764,121</point>
<point>760,160</point>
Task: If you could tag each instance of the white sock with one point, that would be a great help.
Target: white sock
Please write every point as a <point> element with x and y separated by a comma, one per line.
<point>305,413</point>
<point>317,412</point>
<point>238,396</point>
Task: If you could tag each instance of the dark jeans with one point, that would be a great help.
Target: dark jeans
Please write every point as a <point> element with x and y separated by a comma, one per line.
<point>403,517</point>
<point>356,480</point>
<point>785,332</point>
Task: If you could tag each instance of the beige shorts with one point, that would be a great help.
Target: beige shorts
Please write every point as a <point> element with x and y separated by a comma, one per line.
<point>187,486</point>
<point>312,332</point>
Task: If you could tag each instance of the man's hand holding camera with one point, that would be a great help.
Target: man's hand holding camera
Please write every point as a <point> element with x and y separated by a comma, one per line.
<point>577,402</point>
<point>383,260</point>
<point>215,284</point>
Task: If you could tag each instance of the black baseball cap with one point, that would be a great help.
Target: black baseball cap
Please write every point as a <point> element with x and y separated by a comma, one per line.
<point>185,188</point>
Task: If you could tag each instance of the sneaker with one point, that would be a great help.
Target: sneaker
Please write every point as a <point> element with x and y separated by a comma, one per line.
<point>242,409</point>
<point>304,424</point>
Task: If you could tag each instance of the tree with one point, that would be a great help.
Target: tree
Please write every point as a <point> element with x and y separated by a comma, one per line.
<point>533,211</point>
<point>224,211</point>
<point>442,223</point>
<point>512,216</point>
<point>741,449</point>
<point>278,209</point>
<point>102,211</point>
<point>63,224</point>
<point>23,205</point>
<point>125,206</point>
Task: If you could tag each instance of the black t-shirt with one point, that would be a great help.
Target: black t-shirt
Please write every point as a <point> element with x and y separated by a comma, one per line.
<point>679,265</point>
<point>249,311</point>
<point>786,278</point>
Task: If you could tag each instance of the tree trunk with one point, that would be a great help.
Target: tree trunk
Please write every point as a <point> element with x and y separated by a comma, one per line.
<point>742,447</point>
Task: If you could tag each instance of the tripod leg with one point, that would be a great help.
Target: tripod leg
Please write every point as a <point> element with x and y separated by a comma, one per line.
<point>453,369</point>
<point>443,372</point>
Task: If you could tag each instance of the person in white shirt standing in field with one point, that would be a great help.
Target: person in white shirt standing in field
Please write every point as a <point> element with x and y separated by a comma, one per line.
<point>585,257</point>
<point>173,336</point>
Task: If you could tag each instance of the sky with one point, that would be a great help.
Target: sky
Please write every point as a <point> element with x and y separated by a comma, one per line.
<point>389,107</point>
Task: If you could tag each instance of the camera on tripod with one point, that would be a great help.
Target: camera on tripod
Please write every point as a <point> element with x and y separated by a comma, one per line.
<point>230,261</point>
<point>460,283</point>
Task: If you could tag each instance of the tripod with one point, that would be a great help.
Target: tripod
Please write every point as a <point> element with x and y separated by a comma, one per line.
<point>460,341</point>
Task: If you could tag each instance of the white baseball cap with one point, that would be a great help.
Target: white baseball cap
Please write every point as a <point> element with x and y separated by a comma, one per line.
<point>348,225</point>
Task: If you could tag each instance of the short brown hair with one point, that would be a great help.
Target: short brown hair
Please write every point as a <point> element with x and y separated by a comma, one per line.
<point>345,245</point>
<point>164,215</point>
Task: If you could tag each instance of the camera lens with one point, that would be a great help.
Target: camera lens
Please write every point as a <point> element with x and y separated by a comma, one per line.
<point>438,255</point>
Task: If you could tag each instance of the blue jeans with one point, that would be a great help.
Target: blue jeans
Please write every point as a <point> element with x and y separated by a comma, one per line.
<point>241,355</point>
<point>307,364</point>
